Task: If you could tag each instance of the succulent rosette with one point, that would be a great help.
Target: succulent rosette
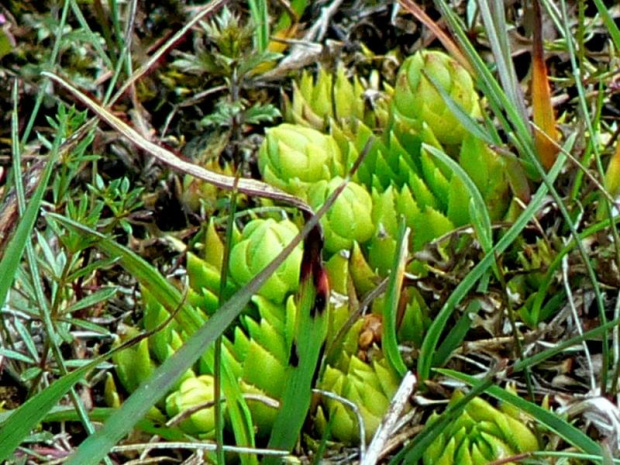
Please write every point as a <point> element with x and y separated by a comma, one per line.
<point>292,156</point>
<point>350,217</point>
<point>532,262</point>
<point>418,101</point>
<point>481,434</point>
<point>261,241</point>
<point>192,393</point>
<point>328,97</point>
<point>370,386</point>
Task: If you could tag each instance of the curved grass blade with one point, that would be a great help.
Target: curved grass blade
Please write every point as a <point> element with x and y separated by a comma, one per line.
<point>470,124</point>
<point>499,100</point>
<point>15,249</point>
<point>429,346</point>
<point>478,211</point>
<point>393,293</point>
<point>494,19</point>
<point>609,21</point>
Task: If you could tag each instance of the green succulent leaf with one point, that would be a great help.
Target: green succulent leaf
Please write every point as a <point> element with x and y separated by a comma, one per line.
<point>133,365</point>
<point>327,98</point>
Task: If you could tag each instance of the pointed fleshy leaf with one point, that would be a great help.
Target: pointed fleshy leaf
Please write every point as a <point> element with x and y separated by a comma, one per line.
<point>262,369</point>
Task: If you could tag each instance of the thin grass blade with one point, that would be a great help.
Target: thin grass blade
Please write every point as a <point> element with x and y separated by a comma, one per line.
<point>470,124</point>
<point>478,210</point>
<point>260,16</point>
<point>429,346</point>
<point>493,17</point>
<point>15,249</point>
<point>609,22</point>
<point>393,293</point>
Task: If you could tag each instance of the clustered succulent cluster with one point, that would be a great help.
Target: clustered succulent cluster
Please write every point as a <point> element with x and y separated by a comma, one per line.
<point>256,352</point>
<point>329,125</point>
<point>398,180</point>
<point>328,128</point>
<point>481,434</point>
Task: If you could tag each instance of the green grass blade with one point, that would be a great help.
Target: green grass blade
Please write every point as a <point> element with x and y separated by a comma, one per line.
<point>239,412</point>
<point>429,346</point>
<point>306,350</point>
<point>591,335</point>
<point>478,210</point>
<point>393,293</point>
<point>469,123</point>
<point>260,16</point>
<point>609,22</point>
<point>15,249</point>
<point>493,17</point>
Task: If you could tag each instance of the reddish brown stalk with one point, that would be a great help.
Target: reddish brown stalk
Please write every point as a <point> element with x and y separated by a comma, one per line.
<point>545,133</point>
